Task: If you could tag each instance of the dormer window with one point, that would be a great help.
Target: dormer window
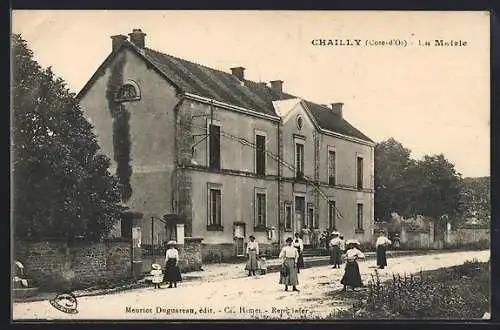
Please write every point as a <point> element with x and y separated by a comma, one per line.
<point>128,92</point>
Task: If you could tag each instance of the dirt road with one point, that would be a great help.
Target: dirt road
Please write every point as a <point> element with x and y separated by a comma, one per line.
<point>245,298</point>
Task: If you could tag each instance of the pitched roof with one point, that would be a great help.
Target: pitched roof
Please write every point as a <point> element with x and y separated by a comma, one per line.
<point>224,87</point>
<point>331,121</point>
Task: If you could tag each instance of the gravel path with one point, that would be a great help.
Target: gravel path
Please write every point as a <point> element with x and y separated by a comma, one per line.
<point>241,298</point>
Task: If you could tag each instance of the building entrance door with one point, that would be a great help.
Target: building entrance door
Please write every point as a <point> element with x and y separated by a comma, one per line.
<point>239,239</point>
<point>300,211</point>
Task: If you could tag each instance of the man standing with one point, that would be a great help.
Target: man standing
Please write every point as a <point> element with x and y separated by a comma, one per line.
<point>381,245</point>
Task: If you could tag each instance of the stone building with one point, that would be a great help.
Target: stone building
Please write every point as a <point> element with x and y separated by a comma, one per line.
<point>231,156</point>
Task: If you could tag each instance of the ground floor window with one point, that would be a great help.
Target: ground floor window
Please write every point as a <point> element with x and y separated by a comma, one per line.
<point>359,217</point>
<point>288,217</point>
<point>214,208</point>
<point>332,225</point>
<point>260,210</point>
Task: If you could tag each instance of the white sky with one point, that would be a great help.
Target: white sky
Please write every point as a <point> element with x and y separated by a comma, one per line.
<point>433,100</point>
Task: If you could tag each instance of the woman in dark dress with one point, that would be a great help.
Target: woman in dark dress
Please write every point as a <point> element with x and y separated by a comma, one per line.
<point>172,271</point>
<point>352,276</point>
<point>299,245</point>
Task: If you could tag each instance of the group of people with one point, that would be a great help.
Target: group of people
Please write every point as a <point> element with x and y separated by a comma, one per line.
<point>292,259</point>
<point>172,273</point>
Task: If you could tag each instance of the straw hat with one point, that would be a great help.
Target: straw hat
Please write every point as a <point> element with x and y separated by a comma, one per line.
<point>335,233</point>
<point>170,243</point>
<point>289,239</point>
<point>155,266</point>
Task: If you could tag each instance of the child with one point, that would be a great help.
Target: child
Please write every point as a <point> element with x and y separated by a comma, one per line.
<point>263,265</point>
<point>157,275</point>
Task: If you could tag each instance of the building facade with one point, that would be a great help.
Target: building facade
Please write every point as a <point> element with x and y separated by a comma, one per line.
<point>232,157</point>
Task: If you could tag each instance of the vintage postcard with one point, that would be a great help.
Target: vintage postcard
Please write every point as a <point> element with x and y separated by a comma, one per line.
<point>285,165</point>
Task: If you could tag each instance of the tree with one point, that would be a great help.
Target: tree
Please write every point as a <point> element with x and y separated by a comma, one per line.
<point>475,198</point>
<point>392,163</point>
<point>437,190</point>
<point>62,187</point>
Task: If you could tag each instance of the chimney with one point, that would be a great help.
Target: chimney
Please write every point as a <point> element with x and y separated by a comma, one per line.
<point>337,108</point>
<point>238,72</point>
<point>117,41</point>
<point>137,38</point>
<point>277,87</point>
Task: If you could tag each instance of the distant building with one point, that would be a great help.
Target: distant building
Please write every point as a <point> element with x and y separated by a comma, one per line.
<point>233,156</point>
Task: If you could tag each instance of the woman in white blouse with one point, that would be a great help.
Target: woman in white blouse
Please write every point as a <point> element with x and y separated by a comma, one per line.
<point>352,277</point>
<point>381,244</point>
<point>289,256</point>
<point>172,271</point>
<point>252,253</point>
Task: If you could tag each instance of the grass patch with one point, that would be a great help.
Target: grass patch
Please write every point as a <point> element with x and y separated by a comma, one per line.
<point>459,292</point>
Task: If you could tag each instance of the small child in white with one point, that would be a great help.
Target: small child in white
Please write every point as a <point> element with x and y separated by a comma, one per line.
<point>263,265</point>
<point>157,275</point>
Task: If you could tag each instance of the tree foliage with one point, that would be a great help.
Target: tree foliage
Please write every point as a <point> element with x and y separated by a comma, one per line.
<point>475,198</point>
<point>429,187</point>
<point>62,187</point>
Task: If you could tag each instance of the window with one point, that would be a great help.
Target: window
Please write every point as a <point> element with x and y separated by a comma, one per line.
<point>331,167</point>
<point>359,168</point>
<point>214,208</point>
<point>359,217</point>
<point>260,154</point>
<point>128,92</point>
<point>300,210</point>
<point>310,216</point>
<point>214,146</point>
<point>332,215</point>
<point>260,212</point>
<point>288,217</point>
<point>299,160</point>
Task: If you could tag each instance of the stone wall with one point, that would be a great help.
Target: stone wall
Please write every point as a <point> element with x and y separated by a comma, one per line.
<point>190,255</point>
<point>468,236</point>
<point>214,253</point>
<point>57,265</point>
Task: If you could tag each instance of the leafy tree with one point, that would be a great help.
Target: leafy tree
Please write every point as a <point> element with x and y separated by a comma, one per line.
<point>392,163</point>
<point>437,190</point>
<point>475,198</point>
<point>62,187</point>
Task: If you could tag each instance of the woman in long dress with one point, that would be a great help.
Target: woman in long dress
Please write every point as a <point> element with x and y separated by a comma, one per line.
<point>335,254</point>
<point>352,277</point>
<point>299,245</point>
<point>172,271</point>
<point>289,257</point>
<point>252,253</point>
<point>381,244</point>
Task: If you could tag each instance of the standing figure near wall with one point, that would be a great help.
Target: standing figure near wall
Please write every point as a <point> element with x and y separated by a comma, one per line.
<point>381,245</point>
<point>289,257</point>
<point>299,245</point>
<point>172,271</point>
<point>335,253</point>
<point>252,253</point>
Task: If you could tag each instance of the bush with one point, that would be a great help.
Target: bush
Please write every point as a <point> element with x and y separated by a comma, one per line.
<point>461,292</point>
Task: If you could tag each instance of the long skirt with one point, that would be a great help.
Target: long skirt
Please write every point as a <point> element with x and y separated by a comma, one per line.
<point>351,277</point>
<point>291,278</point>
<point>172,272</point>
<point>336,255</point>
<point>300,260</point>
<point>252,261</point>
<point>381,256</point>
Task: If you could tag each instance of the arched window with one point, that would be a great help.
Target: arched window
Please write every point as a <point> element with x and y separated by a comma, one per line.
<point>129,91</point>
